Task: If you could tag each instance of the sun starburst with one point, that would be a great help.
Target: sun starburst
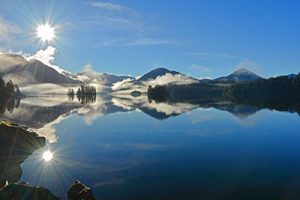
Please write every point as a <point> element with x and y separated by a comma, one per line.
<point>45,32</point>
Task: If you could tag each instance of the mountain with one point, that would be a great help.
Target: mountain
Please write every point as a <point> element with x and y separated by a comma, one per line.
<point>155,73</point>
<point>241,74</point>
<point>10,62</point>
<point>102,78</point>
<point>158,76</point>
<point>292,75</point>
<point>17,68</point>
<point>45,74</point>
<point>21,71</point>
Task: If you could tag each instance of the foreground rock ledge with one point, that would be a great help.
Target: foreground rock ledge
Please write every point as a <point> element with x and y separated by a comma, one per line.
<point>79,191</point>
<point>17,144</point>
<point>23,191</point>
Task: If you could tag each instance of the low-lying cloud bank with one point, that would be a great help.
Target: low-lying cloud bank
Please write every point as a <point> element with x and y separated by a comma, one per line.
<point>43,89</point>
<point>128,85</point>
<point>178,79</point>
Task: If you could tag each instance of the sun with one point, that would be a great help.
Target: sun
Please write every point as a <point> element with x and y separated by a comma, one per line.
<point>47,156</point>
<point>45,32</point>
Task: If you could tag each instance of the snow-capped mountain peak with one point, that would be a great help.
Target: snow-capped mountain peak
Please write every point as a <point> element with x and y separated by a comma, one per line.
<point>241,74</point>
<point>242,71</point>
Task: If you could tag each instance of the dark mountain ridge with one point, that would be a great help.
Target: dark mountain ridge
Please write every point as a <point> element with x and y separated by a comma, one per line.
<point>157,72</point>
<point>241,74</point>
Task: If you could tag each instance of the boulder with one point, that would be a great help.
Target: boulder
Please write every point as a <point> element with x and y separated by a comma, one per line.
<point>79,191</point>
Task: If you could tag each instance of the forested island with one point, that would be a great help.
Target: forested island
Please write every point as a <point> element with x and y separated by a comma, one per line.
<point>85,94</point>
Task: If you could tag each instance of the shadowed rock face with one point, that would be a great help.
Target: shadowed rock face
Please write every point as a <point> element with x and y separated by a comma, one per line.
<point>25,192</point>
<point>17,143</point>
<point>79,191</point>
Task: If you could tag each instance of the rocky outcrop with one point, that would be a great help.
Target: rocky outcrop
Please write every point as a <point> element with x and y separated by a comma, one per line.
<point>17,143</point>
<point>25,192</point>
<point>79,191</point>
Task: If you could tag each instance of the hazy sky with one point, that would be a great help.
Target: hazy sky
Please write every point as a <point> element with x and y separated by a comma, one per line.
<point>201,38</point>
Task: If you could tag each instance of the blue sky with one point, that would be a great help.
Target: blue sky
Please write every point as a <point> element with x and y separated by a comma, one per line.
<point>200,38</point>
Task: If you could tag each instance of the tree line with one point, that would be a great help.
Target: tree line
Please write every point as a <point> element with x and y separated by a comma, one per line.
<point>273,87</point>
<point>280,93</point>
<point>9,96</point>
<point>83,90</point>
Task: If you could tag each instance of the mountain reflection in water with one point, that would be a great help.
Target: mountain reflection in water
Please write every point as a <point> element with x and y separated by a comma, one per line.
<point>148,144</point>
<point>43,113</point>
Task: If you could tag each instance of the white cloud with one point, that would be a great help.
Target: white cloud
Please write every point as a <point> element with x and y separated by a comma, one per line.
<point>49,130</point>
<point>208,55</point>
<point>43,89</point>
<point>203,71</point>
<point>88,68</point>
<point>22,53</point>
<point>204,77</point>
<point>46,56</point>
<point>128,85</point>
<point>250,65</point>
<point>168,78</point>
<point>120,83</point>
<point>109,6</point>
<point>132,41</point>
<point>198,68</point>
<point>150,41</point>
<point>93,111</point>
<point>170,109</point>
<point>8,31</point>
<point>116,17</point>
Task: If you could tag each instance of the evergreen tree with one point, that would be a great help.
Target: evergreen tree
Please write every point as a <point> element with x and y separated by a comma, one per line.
<point>10,86</point>
<point>2,83</point>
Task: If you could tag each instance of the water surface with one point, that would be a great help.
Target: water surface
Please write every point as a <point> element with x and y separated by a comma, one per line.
<point>134,149</point>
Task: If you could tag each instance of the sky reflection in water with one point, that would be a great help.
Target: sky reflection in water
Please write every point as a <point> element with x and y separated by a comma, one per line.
<point>204,153</point>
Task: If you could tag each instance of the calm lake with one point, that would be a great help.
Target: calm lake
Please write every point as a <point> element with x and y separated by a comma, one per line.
<point>135,149</point>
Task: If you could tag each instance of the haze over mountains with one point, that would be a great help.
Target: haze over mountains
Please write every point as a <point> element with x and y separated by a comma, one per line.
<point>24,72</point>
